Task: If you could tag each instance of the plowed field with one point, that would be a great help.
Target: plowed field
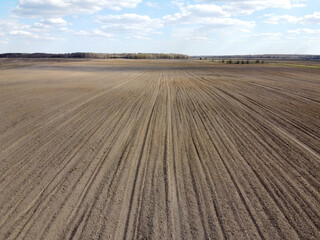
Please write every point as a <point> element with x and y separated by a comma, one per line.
<point>119,149</point>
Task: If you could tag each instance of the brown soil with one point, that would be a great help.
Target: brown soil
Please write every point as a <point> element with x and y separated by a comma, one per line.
<point>117,149</point>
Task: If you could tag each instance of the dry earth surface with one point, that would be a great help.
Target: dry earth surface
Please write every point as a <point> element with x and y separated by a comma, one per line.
<point>119,149</point>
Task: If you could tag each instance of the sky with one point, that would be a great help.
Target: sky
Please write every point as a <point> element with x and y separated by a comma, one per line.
<point>198,27</point>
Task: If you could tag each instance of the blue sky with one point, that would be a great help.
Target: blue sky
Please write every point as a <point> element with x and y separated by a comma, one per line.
<point>198,27</point>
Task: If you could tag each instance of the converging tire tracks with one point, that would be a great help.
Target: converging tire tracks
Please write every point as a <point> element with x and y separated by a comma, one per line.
<point>128,149</point>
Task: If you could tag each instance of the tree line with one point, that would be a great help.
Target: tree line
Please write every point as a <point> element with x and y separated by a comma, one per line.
<point>288,57</point>
<point>97,55</point>
<point>241,61</point>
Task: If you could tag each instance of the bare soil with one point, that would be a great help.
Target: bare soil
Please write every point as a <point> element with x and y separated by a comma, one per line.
<point>120,149</point>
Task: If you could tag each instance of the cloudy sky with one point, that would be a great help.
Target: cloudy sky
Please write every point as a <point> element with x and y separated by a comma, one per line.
<point>191,27</point>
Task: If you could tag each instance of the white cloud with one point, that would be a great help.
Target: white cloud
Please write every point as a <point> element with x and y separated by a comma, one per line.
<point>205,15</point>
<point>304,30</point>
<point>311,18</point>
<point>236,7</point>
<point>40,26</point>
<point>41,8</point>
<point>152,4</point>
<point>94,33</point>
<point>16,30</point>
<point>63,29</point>
<point>132,26</point>
<point>137,38</point>
<point>228,22</point>
<point>124,19</point>
<point>307,19</point>
<point>248,7</point>
<point>12,25</point>
<point>312,41</point>
<point>196,23</point>
<point>196,13</point>
<point>268,36</point>
<point>21,33</point>
<point>276,19</point>
<point>188,34</point>
<point>129,24</point>
<point>55,22</point>
<point>51,24</point>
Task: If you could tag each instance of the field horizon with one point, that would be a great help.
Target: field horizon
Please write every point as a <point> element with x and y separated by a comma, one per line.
<point>159,55</point>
